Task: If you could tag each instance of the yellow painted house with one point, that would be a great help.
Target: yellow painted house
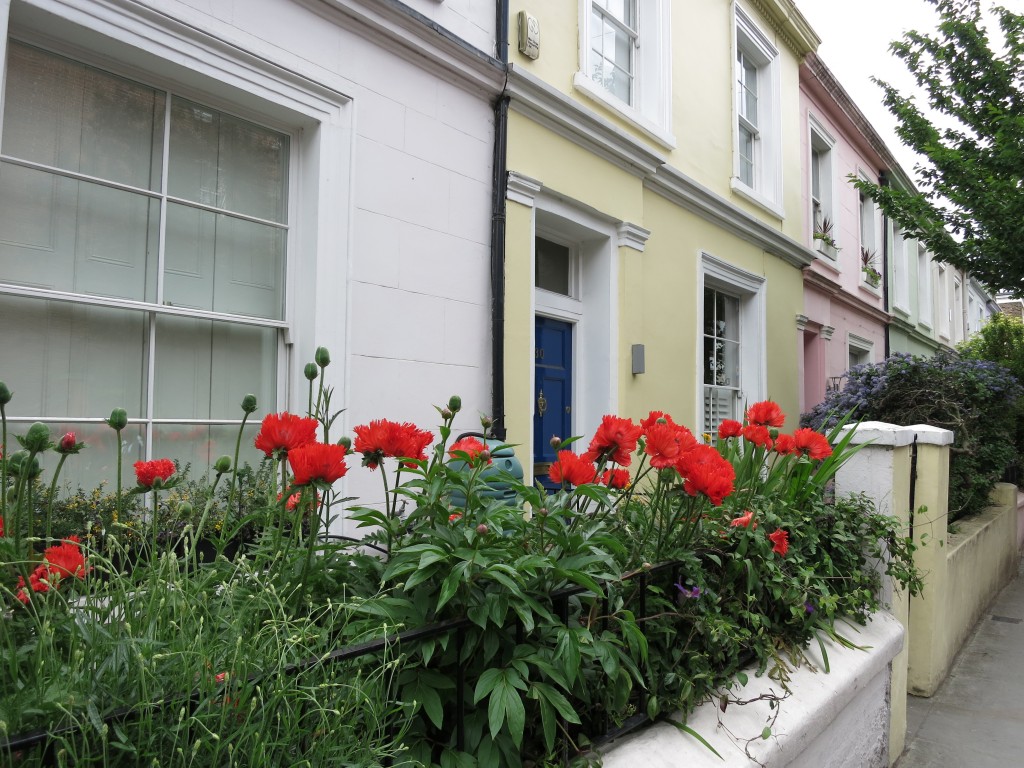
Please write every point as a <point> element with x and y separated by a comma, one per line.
<point>653,213</point>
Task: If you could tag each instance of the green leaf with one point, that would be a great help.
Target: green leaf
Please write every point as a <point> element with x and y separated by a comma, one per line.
<point>688,730</point>
<point>486,683</point>
<point>766,732</point>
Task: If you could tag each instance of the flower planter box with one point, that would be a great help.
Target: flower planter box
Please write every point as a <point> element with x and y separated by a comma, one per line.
<point>839,719</point>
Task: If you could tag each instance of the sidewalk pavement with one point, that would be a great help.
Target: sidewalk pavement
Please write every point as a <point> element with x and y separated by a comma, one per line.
<point>976,718</point>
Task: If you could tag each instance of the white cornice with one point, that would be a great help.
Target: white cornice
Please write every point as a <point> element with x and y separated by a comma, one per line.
<point>419,38</point>
<point>522,189</point>
<point>633,236</point>
<point>553,109</point>
<point>790,23</point>
<point>680,189</point>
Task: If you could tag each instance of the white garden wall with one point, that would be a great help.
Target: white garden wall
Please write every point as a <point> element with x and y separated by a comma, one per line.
<point>839,719</point>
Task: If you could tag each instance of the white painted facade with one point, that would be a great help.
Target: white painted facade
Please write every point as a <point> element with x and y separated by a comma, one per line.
<point>389,126</point>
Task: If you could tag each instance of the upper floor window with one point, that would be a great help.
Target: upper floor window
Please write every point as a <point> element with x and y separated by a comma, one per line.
<point>823,220</point>
<point>625,60</point>
<point>900,270</point>
<point>924,283</point>
<point>757,166</point>
<point>613,45</point>
<point>870,266</point>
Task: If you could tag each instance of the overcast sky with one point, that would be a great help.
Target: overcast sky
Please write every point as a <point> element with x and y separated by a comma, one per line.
<point>855,37</point>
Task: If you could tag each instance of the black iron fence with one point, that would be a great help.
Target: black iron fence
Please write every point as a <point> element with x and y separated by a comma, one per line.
<point>49,739</point>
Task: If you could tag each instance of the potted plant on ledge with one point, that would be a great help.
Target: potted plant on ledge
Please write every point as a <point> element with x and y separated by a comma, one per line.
<point>870,272</point>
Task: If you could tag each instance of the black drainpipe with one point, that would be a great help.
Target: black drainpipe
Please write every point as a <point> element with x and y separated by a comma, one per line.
<point>883,181</point>
<point>499,164</point>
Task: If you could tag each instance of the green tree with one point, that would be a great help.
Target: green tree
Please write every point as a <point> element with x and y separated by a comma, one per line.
<point>970,211</point>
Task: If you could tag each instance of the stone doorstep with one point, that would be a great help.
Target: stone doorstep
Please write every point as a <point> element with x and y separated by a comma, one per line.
<point>817,700</point>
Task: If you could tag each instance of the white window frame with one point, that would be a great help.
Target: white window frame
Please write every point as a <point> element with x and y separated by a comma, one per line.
<point>650,105</point>
<point>944,306</point>
<point>926,289</point>
<point>900,270</point>
<point>868,223</point>
<point>859,344</point>
<point>822,145</point>
<point>750,289</point>
<point>766,187</point>
<point>167,54</point>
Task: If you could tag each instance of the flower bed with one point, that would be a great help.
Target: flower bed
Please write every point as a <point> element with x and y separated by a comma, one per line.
<point>570,626</point>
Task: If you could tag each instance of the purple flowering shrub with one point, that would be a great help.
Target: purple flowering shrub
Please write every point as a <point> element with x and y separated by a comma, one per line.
<point>976,399</point>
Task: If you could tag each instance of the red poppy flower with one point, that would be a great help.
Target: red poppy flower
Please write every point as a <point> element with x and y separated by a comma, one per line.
<point>785,444</point>
<point>765,414</point>
<point>615,478</point>
<point>38,582</point>
<point>295,498</point>
<point>282,432</point>
<point>743,520</point>
<point>656,417</point>
<point>572,469</point>
<point>148,472</point>
<point>665,443</point>
<point>705,471</point>
<point>317,462</point>
<point>730,428</point>
<point>811,443</point>
<point>780,541</point>
<point>66,559</point>
<point>470,446</point>
<point>454,516</point>
<point>757,435</point>
<point>382,438</point>
<point>615,440</point>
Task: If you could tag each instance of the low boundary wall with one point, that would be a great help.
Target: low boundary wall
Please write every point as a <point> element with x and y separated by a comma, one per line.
<point>839,719</point>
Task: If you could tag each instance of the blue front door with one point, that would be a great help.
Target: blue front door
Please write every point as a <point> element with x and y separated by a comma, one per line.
<point>552,391</point>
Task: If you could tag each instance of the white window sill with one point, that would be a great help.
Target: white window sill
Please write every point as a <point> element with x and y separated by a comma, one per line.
<point>872,289</point>
<point>832,265</point>
<point>901,310</point>
<point>652,130</point>
<point>757,198</point>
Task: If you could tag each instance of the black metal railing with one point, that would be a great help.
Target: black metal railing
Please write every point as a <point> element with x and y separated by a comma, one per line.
<point>48,739</point>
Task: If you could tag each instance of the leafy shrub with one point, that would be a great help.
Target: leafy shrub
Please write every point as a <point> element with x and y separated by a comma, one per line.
<point>1001,341</point>
<point>973,398</point>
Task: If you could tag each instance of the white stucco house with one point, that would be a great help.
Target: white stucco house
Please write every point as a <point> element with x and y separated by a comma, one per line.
<point>195,194</point>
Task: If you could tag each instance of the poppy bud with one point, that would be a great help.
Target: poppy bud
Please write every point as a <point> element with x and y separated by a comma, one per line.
<point>68,443</point>
<point>486,422</point>
<point>485,455</point>
<point>455,403</point>
<point>311,371</point>
<point>773,433</point>
<point>346,443</point>
<point>222,464</point>
<point>555,441</point>
<point>322,357</point>
<point>37,438</point>
<point>249,403</point>
<point>481,529</point>
<point>184,509</point>
<point>118,419</point>
<point>5,394</point>
<point>446,413</point>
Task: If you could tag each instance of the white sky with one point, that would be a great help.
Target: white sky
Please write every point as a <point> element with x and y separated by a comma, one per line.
<point>855,37</point>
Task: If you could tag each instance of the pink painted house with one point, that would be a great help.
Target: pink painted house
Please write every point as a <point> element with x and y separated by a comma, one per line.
<point>844,319</point>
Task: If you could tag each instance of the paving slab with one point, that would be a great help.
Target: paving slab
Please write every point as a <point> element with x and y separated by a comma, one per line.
<point>976,717</point>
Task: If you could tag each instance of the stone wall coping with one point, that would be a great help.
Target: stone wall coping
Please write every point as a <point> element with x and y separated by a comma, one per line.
<point>890,435</point>
<point>816,700</point>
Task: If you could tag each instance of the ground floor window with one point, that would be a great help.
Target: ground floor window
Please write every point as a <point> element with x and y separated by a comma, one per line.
<point>143,246</point>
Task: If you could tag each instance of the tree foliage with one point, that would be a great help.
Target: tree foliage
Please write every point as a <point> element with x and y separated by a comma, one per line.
<point>970,211</point>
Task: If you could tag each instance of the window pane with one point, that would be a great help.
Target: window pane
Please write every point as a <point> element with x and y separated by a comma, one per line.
<point>199,445</point>
<point>746,152</point>
<point>727,317</point>
<point>204,368</point>
<point>97,463</point>
<point>223,264</point>
<point>62,113</point>
<point>76,236</point>
<point>553,266</point>
<point>71,361</point>
<point>226,162</point>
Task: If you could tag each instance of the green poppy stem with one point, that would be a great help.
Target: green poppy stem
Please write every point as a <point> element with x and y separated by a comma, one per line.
<point>234,463</point>
<point>53,492</point>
